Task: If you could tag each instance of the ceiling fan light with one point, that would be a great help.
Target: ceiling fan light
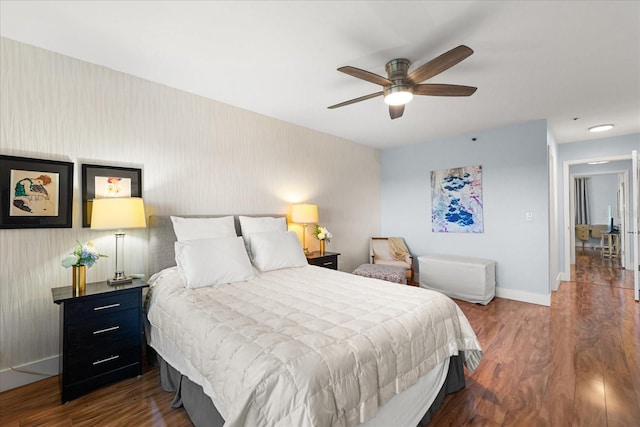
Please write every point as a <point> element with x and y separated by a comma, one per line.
<point>600,128</point>
<point>400,97</point>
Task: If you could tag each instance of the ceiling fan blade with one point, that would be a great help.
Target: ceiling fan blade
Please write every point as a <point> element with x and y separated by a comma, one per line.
<point>365,75</point>
<point>439,64</point>
<point>396,111</point>
<point>353,101</point>
<point>443,90</point>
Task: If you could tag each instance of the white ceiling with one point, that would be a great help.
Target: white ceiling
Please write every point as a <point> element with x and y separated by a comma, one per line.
<point>532,60</point>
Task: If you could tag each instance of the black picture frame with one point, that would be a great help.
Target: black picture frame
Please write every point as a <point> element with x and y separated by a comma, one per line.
<point>89,175</point>
<point>35,193</point>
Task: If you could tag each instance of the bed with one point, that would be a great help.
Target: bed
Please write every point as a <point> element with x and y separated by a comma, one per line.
<point>295,344</point>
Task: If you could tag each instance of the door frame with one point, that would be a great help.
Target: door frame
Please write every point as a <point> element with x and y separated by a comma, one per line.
<point>635,223</point>
<point>567,203</point>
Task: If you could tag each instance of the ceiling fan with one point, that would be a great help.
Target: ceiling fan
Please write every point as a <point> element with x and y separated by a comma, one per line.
<point>399,86</point>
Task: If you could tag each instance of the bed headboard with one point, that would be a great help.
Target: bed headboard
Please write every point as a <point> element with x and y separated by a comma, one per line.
<point>162,238</point>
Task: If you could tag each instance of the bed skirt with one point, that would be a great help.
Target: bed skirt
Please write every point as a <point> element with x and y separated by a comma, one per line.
<point>202,411</point>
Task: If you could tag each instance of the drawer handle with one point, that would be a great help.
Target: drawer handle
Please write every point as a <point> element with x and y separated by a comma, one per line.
<point>328,263</point>
<point>101,331</point>
<point>108,359</point>
<point>106,306</point>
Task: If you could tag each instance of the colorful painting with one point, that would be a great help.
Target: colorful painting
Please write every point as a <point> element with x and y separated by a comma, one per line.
<point>33,193</point>
<point>100,181</point>
<point>112,186</point>
<point>456,200</point>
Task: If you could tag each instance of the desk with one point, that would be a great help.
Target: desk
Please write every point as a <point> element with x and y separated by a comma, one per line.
<point>610,244</point>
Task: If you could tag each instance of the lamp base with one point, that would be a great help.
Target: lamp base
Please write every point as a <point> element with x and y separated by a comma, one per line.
<point>119,281</point>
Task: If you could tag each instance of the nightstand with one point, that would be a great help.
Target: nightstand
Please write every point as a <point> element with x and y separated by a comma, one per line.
<point>328,260</point>
<point>100,336</point>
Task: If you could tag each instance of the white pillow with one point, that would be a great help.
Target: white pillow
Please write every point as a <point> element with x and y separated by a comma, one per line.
<point>265,224</point>
<point>275,250</point>
<point>250,225</point>
<point>203,228</point>
<point>208,262</point>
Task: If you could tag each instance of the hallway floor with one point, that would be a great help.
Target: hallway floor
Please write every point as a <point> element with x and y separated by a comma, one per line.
<point>592,268</point>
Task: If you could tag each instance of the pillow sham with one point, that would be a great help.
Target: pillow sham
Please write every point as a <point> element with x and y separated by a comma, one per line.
<point>265,224</point>
<point>250,225</point>
<point>209,262</point>
<point>203,228</point>
<point>276,250</point>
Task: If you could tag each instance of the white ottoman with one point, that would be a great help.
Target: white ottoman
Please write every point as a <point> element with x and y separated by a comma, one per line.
<point>465,278</point>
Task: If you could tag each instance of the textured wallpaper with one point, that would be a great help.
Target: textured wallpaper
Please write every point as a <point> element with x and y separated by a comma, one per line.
<point>198,156</point>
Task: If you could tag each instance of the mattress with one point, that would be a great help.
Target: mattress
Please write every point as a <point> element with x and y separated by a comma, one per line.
<point>304,346</point>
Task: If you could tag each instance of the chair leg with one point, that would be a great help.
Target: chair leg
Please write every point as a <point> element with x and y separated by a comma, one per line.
<point>411,282</point>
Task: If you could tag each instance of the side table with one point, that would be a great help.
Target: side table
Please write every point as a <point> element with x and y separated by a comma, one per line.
<point>100,335</point>
<point>327,260</point>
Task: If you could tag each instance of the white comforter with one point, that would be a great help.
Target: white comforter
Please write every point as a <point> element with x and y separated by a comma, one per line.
<point>304,346</point>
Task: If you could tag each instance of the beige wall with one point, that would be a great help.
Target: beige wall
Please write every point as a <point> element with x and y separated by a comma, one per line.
<point>198,156</point>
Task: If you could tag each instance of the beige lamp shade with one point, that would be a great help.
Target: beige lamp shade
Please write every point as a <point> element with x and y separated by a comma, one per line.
<point>304,213</point>
<point>118,213</point>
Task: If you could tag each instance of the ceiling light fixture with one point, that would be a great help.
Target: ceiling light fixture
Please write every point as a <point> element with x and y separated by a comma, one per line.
<point>398,94</point>
<point>600,128</point>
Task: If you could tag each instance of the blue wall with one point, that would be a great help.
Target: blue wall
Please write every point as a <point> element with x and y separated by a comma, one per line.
<point>514,161</point>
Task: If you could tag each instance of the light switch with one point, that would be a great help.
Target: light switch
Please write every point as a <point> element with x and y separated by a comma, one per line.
<point>529,216</point>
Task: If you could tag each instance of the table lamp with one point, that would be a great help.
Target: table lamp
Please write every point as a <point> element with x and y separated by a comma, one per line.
<point>118,214</point>
<point>304,214</point>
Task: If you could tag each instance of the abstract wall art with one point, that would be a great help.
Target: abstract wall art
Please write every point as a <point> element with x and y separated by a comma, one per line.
<point>456,200</point>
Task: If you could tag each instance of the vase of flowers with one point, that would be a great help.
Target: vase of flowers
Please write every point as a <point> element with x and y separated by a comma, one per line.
<point>79,284</point>
<point>82,257</point>
<point>323,235</point>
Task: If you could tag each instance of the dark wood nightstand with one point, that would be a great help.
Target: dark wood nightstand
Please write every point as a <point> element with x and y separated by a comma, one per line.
<point>100,335</point>
<point>328,260</point>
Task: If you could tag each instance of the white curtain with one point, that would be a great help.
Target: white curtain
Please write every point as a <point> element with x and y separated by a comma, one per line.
<point>582,201</point>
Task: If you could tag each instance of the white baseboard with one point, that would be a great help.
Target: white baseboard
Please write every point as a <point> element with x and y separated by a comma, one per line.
<point>10,378</point>
<point>556,285</point>
<point>540,299</point>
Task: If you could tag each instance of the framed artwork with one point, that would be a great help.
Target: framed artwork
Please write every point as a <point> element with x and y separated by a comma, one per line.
<point>100,181</point>
<point>35,193</point>
<point>456,200</point>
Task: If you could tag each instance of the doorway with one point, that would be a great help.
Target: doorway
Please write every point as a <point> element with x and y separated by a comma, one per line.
<point>569,209</point>
<point>603,207</point>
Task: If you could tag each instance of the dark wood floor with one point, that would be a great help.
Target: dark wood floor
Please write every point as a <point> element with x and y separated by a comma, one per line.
<point>576,363</point>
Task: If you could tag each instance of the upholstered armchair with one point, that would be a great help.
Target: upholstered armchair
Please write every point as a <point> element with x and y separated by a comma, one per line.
<point>392,251</point>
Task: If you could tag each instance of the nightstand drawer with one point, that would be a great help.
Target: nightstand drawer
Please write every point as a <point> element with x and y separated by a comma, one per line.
<point>326,260</point>
<point>88,361</point>
<point>82,312</point>
<point>108,327</point>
